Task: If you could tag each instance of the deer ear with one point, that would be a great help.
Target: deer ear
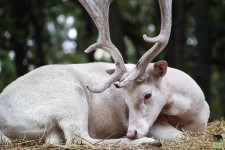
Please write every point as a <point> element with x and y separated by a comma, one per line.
<point>159,69</point>
<point>110,71</point>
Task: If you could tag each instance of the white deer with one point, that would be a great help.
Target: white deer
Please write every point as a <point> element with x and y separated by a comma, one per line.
<point>61,103</point>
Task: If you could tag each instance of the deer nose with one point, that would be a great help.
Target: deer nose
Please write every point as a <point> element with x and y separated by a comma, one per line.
<point>116,85</point>
<point>132,135</point>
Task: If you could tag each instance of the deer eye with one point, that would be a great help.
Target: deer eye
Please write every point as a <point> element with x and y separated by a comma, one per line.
<point>148,95</point>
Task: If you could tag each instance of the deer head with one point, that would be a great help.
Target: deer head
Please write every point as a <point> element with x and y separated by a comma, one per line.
<point>141,84</point>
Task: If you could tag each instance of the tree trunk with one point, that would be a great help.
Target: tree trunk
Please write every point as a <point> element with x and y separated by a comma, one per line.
<point>40,61</point>
<point>203,35</point>
<point>88,35</point>
<point>175,49</point>
<point>21,67</point>
<point>116,29</point>
<point>19,34</point>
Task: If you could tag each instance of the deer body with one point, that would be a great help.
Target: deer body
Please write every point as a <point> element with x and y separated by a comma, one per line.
<point>71,102</point>
<point>54,101</point>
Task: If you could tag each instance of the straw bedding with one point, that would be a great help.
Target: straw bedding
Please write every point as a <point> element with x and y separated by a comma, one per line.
<point>193,140</point>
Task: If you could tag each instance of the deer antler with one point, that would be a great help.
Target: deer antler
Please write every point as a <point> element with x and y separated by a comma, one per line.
<point>99,10</point>
<point>160,43</point>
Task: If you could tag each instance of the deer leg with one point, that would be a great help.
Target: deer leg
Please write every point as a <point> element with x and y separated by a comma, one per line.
<point>199,121</point>
<point>55,136</point>
<point>144,141</point>
<point>196,124</point>
<point>4,140</point>
<point>77,133</point>
<point>161,129</point>
<point>75,129</point>
<point>72,119</point>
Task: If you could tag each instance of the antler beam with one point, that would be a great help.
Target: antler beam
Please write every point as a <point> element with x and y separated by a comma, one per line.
<point>99,10</point>
<point>160,43</point>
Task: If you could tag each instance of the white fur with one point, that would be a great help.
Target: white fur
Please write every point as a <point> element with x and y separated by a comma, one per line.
<point>53,102</point>
<point>177,103</point>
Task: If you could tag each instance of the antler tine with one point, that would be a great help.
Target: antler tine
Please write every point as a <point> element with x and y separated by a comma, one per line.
<point>99,10</point>
<point>160,43</point>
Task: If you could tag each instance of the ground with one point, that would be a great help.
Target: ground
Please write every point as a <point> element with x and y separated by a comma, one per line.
<point>213,137</point>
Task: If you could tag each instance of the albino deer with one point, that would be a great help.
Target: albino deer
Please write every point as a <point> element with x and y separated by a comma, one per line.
<point>61,103</point>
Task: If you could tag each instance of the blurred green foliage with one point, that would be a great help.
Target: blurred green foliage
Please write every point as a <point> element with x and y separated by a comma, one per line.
<point>39,32</point>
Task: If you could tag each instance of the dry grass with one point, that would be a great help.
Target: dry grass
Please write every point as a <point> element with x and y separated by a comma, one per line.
<point>201,140</point>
